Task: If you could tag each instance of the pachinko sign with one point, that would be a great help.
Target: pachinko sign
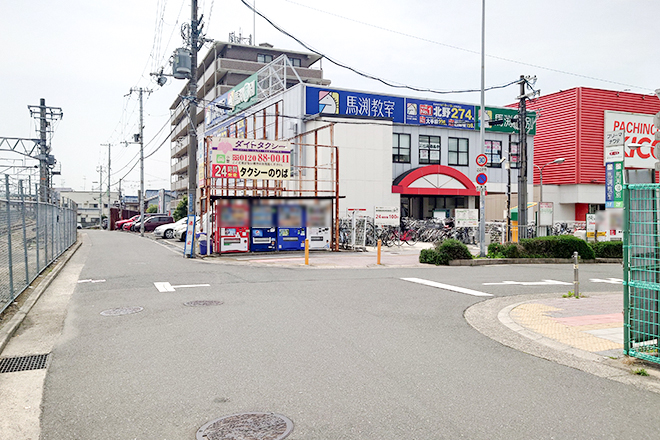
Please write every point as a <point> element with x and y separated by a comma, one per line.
<point>639,129</point>
<point>232,158</point>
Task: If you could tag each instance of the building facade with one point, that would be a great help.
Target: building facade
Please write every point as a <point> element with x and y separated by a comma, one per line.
<point>88,205</point>
<point>225,66</point>
<point>572,126</point>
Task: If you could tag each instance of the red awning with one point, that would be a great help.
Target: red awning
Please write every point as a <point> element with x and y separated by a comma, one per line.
<point>434,180</point>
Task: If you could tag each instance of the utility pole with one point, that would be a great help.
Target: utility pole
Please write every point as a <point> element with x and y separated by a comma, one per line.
<point>192,112</point>
<point>139,138</point>
<point>100,169</point>
<point>482,133</point>
<point>45,159</point>
<point>108,145</point>
<point>522,150</point>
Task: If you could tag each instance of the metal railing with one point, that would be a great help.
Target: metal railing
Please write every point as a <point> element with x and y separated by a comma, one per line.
<point>641,271</point>
<point>32,235</point>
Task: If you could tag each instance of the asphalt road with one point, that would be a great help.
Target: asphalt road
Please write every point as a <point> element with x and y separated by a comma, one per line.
<point>345,354</point>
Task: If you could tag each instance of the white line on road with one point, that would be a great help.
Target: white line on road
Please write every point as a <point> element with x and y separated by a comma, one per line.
<point>608,280</point>
<point>531,283</point>
<point>91,281</point>
<point>447,287</point>
<point>167,287</point>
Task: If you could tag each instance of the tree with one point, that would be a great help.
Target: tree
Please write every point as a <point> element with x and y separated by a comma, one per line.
<point>181,210</point>
<point>152,209</point>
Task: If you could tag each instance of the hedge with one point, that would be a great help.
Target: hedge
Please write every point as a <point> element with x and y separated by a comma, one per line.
<point>608,249</point>
<point>557,246</point>
<point>445,252</point>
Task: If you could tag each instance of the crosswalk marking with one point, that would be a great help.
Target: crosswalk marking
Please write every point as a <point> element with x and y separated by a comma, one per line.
<point>447,287</point>
<point>607,280</point>
<point>531,283</point>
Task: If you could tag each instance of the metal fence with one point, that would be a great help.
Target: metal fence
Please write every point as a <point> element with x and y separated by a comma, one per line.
<point>32,236</point>
<point>641,274</point>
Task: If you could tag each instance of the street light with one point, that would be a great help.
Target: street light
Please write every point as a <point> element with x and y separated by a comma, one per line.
<point>558,160</point>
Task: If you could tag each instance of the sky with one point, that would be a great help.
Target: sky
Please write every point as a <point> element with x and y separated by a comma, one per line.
<point>85,57</point>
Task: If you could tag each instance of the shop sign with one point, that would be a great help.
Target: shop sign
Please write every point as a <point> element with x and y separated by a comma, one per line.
<point>387,216</point>
<point>440,114</point>
<point>466,218</point>
<point>347,103</point>
<point>591,225</point>
<point>614,185</point>
<point>233,158</point>
<point>638,129</point>
<point>509,125</point>
<point>546,213</point>
<point>239,98</point>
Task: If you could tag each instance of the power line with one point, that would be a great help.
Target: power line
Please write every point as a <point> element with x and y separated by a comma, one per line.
<point>363,74</point>
<point>523,63</point>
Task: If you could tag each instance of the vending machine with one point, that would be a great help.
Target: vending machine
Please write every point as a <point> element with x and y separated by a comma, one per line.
<point>233,230</point>
<point>319,223</point>
<point>263,228</point>
<point>291,230</point>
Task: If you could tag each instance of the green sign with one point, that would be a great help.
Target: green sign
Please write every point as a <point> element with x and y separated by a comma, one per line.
<point>243,95</point>
<point>506,115</point>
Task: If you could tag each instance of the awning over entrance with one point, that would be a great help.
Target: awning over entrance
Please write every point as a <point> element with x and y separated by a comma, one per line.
<point>434,180</point>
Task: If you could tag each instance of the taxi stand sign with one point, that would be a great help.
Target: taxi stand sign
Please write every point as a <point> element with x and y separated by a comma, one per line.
<point>188,249</point>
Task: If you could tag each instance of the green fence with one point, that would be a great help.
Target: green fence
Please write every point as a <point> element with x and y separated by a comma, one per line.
<point>641,271</point>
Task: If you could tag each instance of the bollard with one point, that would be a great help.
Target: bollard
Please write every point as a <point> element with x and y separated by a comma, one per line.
<point>306,252</point>
<point>378,260</point>
<point>576,279</point>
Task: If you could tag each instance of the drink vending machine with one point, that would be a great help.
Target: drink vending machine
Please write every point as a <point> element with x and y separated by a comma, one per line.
<point>263,234</point>
<point>291,230</point>
<point>319,225</point>
<point>233,225</point>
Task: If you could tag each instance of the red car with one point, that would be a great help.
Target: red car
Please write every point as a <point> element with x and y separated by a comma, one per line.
<point>119,224</point>
<point>152,222</point>
<point>129,224</point>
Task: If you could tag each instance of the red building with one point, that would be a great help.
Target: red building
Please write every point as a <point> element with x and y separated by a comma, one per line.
<point>572,125</point>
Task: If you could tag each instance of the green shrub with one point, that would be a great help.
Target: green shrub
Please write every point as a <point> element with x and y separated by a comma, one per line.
<point>560,246</point>
<point>454,249</point>
<point>444,252</point>
<point>608,249</point>
<point>495,250</point>
<point>513,250</point>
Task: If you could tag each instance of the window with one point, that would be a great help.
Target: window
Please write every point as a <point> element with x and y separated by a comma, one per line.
<point>295,62</point>
<point>264,58</point>
<point>458,151</point>
<point>493,151</point>
<point>429,149</point>
<point>400,148</point>
<point>514,156</point>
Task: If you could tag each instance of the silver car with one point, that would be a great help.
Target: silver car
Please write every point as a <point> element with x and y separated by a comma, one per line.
<point>167,231</point>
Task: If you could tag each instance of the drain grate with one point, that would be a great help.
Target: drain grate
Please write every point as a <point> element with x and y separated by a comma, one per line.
<point>247,426</point>
<point>119,311</point>
<point>23,363</point>
<point>202,303</point>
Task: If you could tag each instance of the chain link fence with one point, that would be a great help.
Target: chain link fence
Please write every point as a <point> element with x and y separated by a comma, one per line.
<point>32,236</point>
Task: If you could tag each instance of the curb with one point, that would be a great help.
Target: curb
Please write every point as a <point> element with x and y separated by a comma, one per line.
<point>8,330</point>
<point>494,261</point>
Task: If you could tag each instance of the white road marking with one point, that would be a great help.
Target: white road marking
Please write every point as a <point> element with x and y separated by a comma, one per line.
<point>167,287</point>
<point>447,287</point>
<point>607,280</point>
<point>90,281</point>
<point>531,283</point>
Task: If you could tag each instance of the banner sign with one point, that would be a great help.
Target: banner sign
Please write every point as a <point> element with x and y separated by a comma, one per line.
<point>440,114</point>
<point>239,98</point>
<point>507,115</point>
<point>233,158</point>
<point>614,185</point>
<point>387,216</point>
<point>346,103</point>
<point>466,218</point>
<point>639,129</point>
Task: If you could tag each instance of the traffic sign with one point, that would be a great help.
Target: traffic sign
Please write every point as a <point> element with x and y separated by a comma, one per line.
<point>481,188</point>
<point>481,170</point>
<point>481,178</point>
<point>482,160</point>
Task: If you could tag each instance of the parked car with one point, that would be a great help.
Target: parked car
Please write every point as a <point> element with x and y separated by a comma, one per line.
<point>128,226</point>
<point>151,223</point>
<point>119,224</point>
<point>79,226</point>
<point>167,230</point>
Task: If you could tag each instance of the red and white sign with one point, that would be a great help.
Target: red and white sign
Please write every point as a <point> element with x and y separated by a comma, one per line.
<point>358,212</point>
<point>482,160</point>
<point>639,129</point>
<point>387,215</point>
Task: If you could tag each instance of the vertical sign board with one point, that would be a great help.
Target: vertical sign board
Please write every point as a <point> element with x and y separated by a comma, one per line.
<point>546,213</point>
<point>591,226</point>
<point>466,218</point>
<point>387,216</point>
<point>614,185</point>
<point>190,233</point>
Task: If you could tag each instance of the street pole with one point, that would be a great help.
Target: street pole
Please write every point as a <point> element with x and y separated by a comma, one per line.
<point>108,145</point>
<point>141,142</point>
<point>44,181</point>
<point>482,130</point>
<point>100,197</point>
<point>522,174</point>
<point>192,112</point>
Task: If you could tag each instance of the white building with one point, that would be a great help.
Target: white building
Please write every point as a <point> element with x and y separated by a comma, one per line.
<point>88,205</point>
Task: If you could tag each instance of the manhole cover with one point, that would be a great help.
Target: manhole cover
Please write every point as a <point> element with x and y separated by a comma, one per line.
<point>121,311</point>
<point>247,426</point>
<point>202,303</point>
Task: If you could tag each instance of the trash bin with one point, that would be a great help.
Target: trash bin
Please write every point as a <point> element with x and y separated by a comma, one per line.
<point>201,239</point>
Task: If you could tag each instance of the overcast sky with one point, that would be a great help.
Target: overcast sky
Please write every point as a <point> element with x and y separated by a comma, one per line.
<point>84,56</point>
